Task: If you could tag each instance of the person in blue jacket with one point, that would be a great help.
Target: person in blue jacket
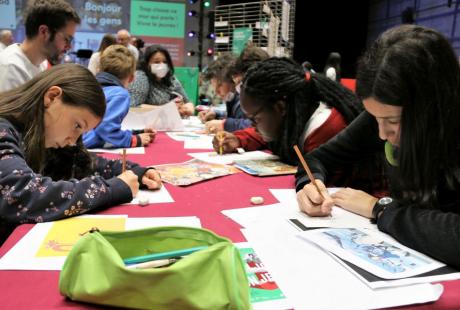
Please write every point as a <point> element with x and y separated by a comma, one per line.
<point>117,67</point>
<point>233,117</point>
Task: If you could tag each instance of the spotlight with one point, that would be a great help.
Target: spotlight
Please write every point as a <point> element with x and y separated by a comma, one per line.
<point>191,34</point>
<point>192,1</point>
<point>191,53</point>
<point>210,51</point>
<point>211,36</point>
<point>192,13</point>
<point>207,4</point>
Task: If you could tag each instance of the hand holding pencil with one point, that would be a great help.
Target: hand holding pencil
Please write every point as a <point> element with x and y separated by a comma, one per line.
<point>313,199</point>
<point>128,176</point>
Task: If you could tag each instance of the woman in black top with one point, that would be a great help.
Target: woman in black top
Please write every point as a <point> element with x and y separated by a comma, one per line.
<point>409,81</point>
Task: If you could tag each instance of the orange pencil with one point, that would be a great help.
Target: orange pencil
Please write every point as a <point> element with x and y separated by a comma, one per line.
<point>307,169</point>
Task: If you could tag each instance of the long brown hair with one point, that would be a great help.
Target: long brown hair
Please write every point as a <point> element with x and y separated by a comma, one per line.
<point>24,105</point>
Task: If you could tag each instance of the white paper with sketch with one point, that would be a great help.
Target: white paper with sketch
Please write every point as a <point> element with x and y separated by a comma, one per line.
<point>193,123</point>
<point>153,196</point>
<point>372,251</point>
<point>228,159</point>
<point>187,135</point>
<point>307,275</point>
<point>163,118</point>
<point>130,150</point>
<point>22,256</point>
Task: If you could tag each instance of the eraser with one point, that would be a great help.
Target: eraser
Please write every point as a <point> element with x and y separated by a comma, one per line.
<point>143,201</point>
<point>257,200</point>
<point>240,150</point>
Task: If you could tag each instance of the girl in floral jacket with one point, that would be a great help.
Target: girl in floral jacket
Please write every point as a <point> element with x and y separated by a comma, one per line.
<point>45,173</point>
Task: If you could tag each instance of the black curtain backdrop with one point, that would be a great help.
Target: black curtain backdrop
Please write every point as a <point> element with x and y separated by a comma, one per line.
<point>322,27</point>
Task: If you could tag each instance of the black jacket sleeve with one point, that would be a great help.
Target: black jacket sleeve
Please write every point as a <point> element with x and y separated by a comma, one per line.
<point>357,143</point>
<point>430,231</point>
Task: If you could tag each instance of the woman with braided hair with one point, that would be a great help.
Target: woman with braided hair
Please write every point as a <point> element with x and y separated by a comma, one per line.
<point>288,107</point>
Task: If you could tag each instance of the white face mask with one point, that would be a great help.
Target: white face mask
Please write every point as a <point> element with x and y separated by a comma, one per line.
<point>160,70</point>
<point>229,96</point>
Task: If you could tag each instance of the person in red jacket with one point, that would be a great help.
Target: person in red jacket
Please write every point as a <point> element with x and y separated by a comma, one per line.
<point>289,106</point>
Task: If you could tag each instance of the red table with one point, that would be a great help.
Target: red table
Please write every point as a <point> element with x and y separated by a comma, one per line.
<point>39,289</point>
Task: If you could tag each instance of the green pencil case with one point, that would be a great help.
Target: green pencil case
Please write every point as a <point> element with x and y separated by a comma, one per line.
<point>211,278</point>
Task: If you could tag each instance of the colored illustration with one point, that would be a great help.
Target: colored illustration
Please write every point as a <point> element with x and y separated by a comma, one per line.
<point>193,171</point>
<point>63,234</point>
<point>262,285</point>
<point>265,167</point>
<point>375,251</point>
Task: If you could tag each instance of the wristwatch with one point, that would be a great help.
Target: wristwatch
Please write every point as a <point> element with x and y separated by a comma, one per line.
<point>379,207</point>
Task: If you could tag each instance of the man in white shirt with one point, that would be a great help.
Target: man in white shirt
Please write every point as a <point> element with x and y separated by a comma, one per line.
<point>124,38</point>
<point>50,26</point>
<point>6,38</point>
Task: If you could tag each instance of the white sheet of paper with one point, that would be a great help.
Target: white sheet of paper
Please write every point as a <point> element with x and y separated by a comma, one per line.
<point>228,159</point>
<point>163,118</point>
<point>288,209</point>
<point>22,255</point>
<point>204,143</point>
<point>310,278</point>
<point>154,196</point>
<point>339,218</point>
<point>372,251</point>
<point>130,150</point>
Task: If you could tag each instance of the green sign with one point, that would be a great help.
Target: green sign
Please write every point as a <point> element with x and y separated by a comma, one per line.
<point>188,77</point>
<point>158,19</point>
<point>241,36</point>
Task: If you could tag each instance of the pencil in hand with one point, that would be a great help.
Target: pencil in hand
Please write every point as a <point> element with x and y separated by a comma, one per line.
<point>307,169</point>
<point>123,161</point>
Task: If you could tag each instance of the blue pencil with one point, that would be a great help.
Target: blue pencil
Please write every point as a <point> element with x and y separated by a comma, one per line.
<point>163,255</point>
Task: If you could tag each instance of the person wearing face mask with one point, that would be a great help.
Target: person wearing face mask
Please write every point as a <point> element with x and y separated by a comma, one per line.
<point>233,118</point>
<point>155,84</point>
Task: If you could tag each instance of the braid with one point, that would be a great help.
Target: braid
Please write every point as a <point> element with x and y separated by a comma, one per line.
<point>336,96</point>
<point>281,79</point>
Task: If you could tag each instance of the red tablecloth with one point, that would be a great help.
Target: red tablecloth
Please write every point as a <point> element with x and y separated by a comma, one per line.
<point>39,289</point>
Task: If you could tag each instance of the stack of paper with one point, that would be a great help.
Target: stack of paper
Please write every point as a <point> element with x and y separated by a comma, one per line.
<point>306,273</point>
<point>163,118</point>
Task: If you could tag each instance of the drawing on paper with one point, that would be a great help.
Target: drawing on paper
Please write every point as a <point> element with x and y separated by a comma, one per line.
<point>265,167</point>
<point>375,251</point>
<point>63,234</point>
<point>193,171</point>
